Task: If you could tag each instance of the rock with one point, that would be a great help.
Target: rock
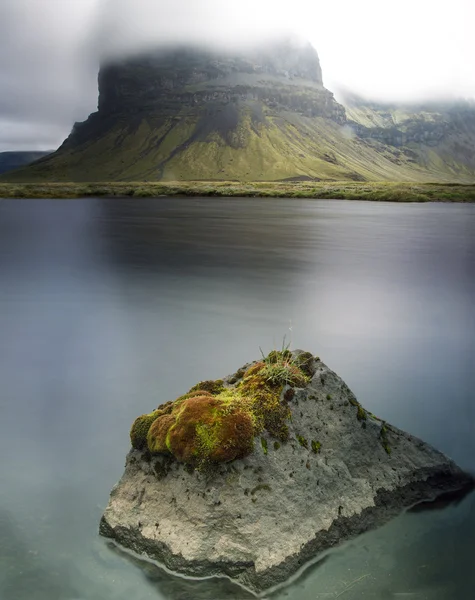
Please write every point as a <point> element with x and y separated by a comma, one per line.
<point>330,472</point>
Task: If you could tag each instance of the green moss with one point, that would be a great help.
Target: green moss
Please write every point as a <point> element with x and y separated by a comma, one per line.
<point>140,429</point>
<point>383,436</point>
<point>239,374</point>
<point>302,441</point>
<point>329,396</point>
<point>316,447</point>
<point>263,398</point>
<point>264,445</point>
<point>361,413</point>
<point>276,445</point>
<point>213,387</point>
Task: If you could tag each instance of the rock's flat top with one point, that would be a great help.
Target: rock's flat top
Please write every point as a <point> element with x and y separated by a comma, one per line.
<point>259,519</point>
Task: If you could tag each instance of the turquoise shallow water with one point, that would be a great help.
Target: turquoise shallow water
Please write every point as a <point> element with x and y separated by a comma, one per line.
<point>109,307</point>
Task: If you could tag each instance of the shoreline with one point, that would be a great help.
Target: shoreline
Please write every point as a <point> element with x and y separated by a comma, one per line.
<point>369,191</point>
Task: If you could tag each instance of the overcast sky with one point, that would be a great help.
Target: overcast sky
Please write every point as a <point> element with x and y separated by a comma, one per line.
<point>50,50</point>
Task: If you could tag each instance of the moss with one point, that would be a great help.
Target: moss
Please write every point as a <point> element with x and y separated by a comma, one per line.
<point>191,395</point>
<point>239,374</point>
<point>305,362</point>
<point>383,436</point>
<point>268,412</point>
<point>316,447</point>
<point>140,429</point>
<point>213,387</point>
<point>205,430</point>
<point>302,441</point>
<point>361,413</point>
<point>329,396</point>
<point>276,445</point>
<point>264,445</point>
<point>158,434</point>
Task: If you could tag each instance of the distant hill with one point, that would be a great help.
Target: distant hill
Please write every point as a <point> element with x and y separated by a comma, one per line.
<point>13,160</point>
<point>260,115</point>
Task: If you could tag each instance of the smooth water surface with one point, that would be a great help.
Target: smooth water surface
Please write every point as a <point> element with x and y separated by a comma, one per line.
<point>111,307</point>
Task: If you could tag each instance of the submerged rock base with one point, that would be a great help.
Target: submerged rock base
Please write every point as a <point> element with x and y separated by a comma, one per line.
<point>259,519</point>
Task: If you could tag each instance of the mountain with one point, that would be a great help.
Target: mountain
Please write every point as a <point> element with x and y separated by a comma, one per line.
<point>14,160</point>
<point>255,115</point>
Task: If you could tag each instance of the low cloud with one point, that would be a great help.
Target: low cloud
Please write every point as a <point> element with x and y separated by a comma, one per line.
<point>50,50</point>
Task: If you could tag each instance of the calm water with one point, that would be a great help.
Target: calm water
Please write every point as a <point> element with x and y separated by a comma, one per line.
<point>110,307</point>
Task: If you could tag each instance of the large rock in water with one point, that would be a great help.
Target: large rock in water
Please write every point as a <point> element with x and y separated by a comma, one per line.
<point>321,470</point>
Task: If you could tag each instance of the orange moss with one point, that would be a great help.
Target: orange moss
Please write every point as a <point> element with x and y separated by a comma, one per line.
<point>157,434</point>
<point>202,428</point>
<point>183,440</point>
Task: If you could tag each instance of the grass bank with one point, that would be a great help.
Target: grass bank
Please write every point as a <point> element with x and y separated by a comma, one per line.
<point>375,191</point>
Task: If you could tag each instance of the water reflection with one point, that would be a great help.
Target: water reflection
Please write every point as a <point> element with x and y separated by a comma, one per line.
<point>177,588</point>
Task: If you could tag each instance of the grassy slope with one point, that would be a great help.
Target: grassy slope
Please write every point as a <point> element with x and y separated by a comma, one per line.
<point>453,155</point>
<point>282,145</point>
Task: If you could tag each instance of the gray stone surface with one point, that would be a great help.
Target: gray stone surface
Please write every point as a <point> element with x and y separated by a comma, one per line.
<point>259,520</point>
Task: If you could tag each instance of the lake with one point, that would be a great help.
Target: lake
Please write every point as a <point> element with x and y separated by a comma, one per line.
<point>111,307</point>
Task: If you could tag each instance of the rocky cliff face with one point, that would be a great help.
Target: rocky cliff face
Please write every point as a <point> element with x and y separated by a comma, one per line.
<point>253,476</point>
<point>281,74</point>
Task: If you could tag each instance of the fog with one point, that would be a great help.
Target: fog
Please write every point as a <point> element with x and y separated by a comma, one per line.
<point>50,50</point>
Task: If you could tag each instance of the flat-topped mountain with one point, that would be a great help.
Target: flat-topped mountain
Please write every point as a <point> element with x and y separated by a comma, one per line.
<point>260,114</point>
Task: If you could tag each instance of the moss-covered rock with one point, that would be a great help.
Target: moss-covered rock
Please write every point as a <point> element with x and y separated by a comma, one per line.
<point>214,423</point>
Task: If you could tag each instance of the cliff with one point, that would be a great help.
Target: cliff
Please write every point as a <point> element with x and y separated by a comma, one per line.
<point>253,476</point>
